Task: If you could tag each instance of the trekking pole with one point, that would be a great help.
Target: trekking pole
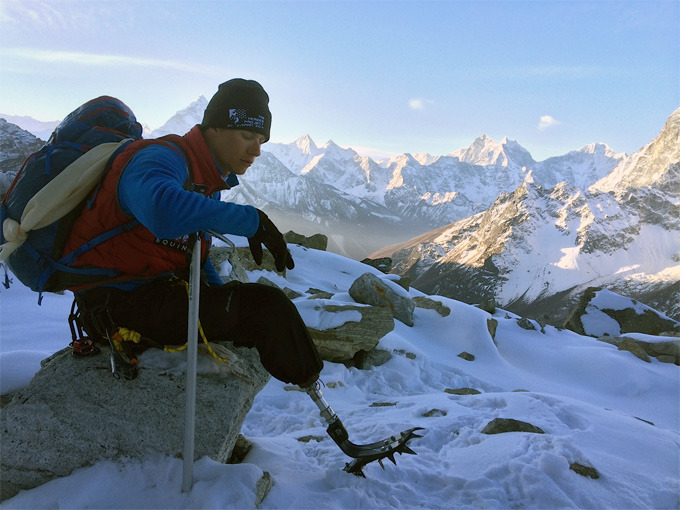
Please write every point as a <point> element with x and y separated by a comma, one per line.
<point>192,355</point>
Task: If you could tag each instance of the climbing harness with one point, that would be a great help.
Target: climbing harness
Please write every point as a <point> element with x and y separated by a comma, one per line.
<point>81,344</point>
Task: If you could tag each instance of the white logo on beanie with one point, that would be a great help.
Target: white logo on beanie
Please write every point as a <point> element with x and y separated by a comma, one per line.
<point>238,117</point>
<point>236,114</point>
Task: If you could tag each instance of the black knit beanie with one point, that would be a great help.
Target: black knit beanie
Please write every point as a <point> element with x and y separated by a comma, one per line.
<point>239,104</point>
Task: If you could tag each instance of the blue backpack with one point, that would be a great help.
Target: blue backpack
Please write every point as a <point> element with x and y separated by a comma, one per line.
<point>38,263</point>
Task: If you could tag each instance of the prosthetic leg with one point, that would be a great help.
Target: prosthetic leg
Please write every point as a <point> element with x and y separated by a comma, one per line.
<point>362,454</point>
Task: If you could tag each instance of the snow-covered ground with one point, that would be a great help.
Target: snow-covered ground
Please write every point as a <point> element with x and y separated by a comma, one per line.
<point>598,406</point>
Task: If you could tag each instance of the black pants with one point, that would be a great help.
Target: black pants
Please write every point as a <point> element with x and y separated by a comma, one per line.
<point>246,314</point>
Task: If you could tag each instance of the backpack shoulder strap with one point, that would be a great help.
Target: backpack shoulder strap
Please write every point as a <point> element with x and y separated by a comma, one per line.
<point>177,142</point>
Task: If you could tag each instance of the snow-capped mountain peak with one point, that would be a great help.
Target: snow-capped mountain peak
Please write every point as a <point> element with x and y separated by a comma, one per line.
<point>333,150</point>
<point>146,130</point>
<point>485,151</point>
<point>424,158</point>
<point>307,145</point>
<point>657,160</point>
<point>601,148</point>
<point>183,120</point>
<point>482,151</point>
<point>517,153</point>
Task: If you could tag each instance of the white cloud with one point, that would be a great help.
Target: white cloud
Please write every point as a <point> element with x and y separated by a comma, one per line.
<point>547,121</point>
<point>98,59</point>
<point>418,103</point>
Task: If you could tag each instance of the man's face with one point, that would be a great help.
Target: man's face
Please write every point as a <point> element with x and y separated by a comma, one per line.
<point>234,150</point>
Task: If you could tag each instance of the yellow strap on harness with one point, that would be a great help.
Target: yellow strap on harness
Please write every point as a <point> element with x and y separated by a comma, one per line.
<point>167,348</point>
<point>129,335</point>
<point>125,335</point>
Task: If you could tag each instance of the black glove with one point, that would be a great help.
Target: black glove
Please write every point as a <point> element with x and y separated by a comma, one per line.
<point>269,235</point>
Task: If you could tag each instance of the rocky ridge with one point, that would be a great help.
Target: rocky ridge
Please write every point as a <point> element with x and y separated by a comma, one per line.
<point>15,146</point>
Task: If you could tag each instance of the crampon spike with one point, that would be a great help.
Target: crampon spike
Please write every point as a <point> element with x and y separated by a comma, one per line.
<point>361,453</point>
<point>406,449</point>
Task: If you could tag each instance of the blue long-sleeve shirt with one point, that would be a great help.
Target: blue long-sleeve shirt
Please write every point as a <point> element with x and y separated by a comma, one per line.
<point>151,189</point>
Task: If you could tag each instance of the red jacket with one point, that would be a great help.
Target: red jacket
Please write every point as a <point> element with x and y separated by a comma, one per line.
<point>137,254</point>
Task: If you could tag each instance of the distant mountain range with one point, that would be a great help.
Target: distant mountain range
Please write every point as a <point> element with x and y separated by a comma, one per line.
<point>482,221</point>
<point>396,199</point>
<point>37,128</point>
<point>538,247</point>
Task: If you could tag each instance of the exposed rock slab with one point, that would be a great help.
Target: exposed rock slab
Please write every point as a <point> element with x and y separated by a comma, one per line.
<point>342,343</point>
<point>74,413</point>
<point>602,312</point>
<point>315,242</point>
<point>667,351</point>
<point>503,425</point>
<point>431,304</point>
<point>371,290</point>
<point>383,264</point>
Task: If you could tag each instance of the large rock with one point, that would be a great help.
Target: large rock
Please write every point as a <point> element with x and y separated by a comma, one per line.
<point>431,304</point>
<point>504,425</point>
<point>240,260</point>
<point>383,264</point>
<point>371,290</point>
<point>602,312</point>
<point>74,413</point>
<point>316,241</point>
<point>344,342</point>
<point>231,263</point>
<point>666,350</point>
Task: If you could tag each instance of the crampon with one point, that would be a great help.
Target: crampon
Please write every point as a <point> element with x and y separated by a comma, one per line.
<point>361,454</point>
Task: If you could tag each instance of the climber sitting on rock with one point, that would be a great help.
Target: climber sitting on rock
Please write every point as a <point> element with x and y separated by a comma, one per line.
<point>171,187</point>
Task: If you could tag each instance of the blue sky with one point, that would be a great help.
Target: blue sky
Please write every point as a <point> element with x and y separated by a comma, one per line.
<point>398,76</point>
